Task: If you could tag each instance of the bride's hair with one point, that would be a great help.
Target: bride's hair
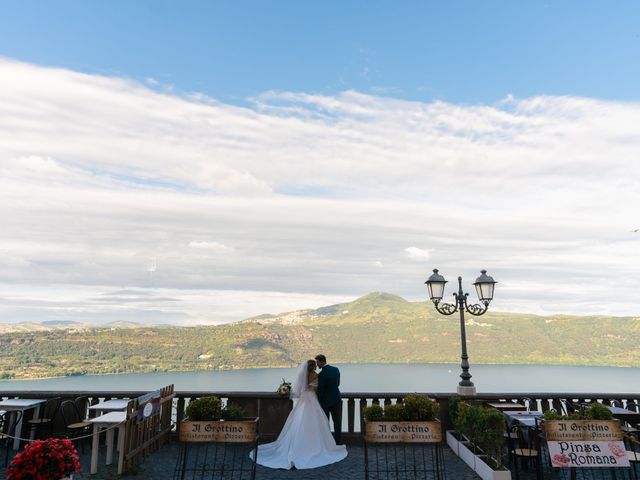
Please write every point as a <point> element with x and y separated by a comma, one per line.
<point>311,366</point>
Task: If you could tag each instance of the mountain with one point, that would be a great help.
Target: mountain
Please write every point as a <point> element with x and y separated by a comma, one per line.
<point>376,328</point>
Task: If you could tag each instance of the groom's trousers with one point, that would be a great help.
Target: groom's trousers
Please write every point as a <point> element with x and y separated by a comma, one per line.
<point>335,413</point>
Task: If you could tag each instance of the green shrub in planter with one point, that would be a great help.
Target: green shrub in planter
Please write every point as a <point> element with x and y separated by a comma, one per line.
<point>232,413</point>
<point>205,408</point>
<point>394,413</point>
<point>552,415</point>
<point>373,413</point>
<point>453,403</point>
<point>597,411</point>
<point>419,408</point>
<point>491,435</point>
<point>473,422</point>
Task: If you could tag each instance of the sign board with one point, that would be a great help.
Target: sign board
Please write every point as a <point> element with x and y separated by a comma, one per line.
<point>403,432</point>
<point>586,443</point>
<point>148,405</point>
<point>234,431</point>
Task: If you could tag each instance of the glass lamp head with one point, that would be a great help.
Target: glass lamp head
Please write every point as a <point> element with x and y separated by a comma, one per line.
<point>484,287</point>
<point>435,286</point>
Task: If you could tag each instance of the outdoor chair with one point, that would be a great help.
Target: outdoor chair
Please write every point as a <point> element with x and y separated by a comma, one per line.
<point>75,424</point>
<point>524,450</point>
<point>8,423</point>
<point>632,447</point>
<point>82,402</point>
<point>48,413</point>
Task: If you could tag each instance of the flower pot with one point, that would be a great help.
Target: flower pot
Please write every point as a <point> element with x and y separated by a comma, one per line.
<point>487,473</point>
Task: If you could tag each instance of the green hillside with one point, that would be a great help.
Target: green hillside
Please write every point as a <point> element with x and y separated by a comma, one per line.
<point>377,328</point>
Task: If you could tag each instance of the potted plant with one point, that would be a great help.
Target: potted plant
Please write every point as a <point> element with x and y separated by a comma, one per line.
<point>49,459</point>
<point>412,421</point>
<point>207,421</point>
<point>478,438</point>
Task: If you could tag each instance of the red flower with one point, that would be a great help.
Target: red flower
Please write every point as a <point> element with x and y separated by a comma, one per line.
<point>50,459</point>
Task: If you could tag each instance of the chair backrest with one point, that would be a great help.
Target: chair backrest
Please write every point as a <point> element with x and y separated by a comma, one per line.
<point>82,404</point>
<point>69,412</point>
<point>50,408</point>
<point>8,423</point>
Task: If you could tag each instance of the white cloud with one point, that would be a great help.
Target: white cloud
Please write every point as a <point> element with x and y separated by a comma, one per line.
<point>416,253</point>
<point>309,195</point>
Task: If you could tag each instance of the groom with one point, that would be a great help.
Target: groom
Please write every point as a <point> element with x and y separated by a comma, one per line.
<point>329,395</point>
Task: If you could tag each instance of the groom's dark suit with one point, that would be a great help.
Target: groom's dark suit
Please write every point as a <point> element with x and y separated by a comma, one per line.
<point>330,399</point>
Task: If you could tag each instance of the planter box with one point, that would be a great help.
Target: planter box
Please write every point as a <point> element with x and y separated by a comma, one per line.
<point>235,431</point>
<point>475,462</point>
<point>487,473</point>
<point>403,432</point>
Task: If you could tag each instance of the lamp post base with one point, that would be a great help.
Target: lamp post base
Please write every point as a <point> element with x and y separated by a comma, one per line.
<point>466,391</point>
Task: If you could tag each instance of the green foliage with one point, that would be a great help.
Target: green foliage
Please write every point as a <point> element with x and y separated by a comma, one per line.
<point>484,427</point>
<point>232,413</point>
<point>415,408</point>
<point>491,435</point>
<point>205,408</point>
<point>597,411</point>
<point>394,413</point>
<point>373,413</point>
<point>552,415</point>
<point>472,422</point>
<point>419,407</point>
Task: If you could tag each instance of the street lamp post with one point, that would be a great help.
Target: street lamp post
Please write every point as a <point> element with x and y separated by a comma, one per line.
<point>484,287</point>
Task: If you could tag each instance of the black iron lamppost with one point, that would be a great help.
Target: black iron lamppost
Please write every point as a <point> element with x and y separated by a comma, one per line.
<point>484,287</point>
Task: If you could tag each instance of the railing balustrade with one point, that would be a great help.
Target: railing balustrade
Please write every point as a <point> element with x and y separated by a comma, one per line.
<point>262,403</point>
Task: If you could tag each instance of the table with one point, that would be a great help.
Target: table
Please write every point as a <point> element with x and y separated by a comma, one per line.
<point>510,406</point>
<point>628,416</point>
<point>21,404</point>
<point>107,420</point>
<point>116,405</point>
<point>526,419</point>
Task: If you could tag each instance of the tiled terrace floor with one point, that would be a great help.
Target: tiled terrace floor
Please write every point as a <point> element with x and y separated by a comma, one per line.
<point>161,466</point>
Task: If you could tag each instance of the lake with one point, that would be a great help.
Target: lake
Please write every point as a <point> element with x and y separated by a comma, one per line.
<point>434,378</point>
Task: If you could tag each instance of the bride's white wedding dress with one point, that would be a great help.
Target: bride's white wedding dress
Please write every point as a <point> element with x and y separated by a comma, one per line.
<point>305,440</point>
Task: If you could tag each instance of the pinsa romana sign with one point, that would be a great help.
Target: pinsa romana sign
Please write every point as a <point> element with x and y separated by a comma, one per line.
<point>586,443</point>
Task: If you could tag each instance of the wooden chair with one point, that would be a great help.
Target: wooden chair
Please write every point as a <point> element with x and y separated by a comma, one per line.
<point>8,424</point>
<point>48,415</point>
<point>524,449</point>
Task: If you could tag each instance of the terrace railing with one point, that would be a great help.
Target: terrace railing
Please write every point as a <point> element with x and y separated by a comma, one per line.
<point>273,409</point>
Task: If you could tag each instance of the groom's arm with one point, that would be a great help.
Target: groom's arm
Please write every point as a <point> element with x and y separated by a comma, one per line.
<point>321,385</point>
<point>338,376</point>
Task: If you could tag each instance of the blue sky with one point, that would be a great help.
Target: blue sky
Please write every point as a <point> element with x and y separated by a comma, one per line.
<point>459,51</point>
<point>202,162</point>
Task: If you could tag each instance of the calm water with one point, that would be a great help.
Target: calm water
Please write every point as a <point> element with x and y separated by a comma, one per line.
<point>367,378</point>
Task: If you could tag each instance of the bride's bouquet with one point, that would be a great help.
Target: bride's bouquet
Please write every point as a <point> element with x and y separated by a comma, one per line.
<point>284,389</point>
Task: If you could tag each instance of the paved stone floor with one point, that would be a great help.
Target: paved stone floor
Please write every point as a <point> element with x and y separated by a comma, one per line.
<point>161,466</point>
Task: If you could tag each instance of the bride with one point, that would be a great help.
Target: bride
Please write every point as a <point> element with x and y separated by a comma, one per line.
<point>305,440</point>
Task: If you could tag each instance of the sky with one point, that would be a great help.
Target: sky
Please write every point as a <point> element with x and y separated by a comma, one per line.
<point>203,162</point>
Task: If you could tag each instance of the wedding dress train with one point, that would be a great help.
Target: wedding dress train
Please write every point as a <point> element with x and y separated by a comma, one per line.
<point>305,440</point>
